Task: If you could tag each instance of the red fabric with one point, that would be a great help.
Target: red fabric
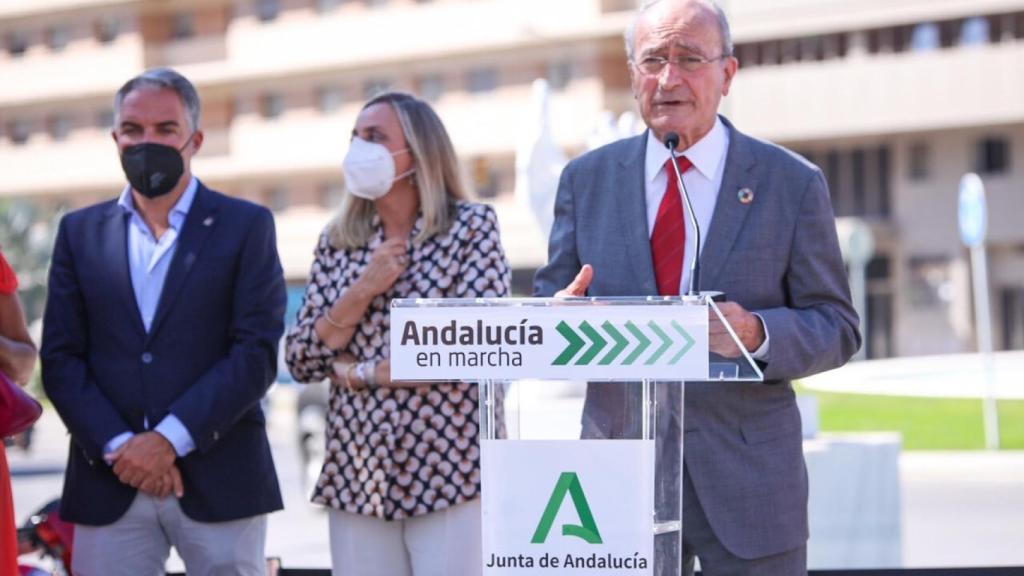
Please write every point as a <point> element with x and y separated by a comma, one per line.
<point>668,241</point>
<point>8,281</point>
<point>8,533</point>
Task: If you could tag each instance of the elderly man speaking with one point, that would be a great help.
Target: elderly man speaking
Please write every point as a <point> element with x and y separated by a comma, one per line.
<point>620,229</point>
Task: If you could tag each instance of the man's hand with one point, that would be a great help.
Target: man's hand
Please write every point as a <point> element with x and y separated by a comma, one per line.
<point>579,284</point>
<point>146,457</point>
<point>747,326</point>
<point>165,485</point>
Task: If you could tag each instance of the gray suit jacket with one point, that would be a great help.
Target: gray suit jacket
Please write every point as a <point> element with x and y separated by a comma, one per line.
<point>777,256</point>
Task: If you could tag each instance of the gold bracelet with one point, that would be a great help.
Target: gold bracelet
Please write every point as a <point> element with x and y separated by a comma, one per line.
<point>335,323</point>
<point>348,377</point>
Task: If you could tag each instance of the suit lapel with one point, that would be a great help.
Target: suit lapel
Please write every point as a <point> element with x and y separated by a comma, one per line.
<point>629,188</point>
<point>199,223</point>
<point>730,213</point>
<point>115,251</point>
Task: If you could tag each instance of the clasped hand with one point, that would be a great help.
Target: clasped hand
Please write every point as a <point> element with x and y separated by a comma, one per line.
<point>147,462</point>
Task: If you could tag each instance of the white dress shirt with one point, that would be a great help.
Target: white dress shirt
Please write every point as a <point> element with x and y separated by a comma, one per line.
<point>702,182</point>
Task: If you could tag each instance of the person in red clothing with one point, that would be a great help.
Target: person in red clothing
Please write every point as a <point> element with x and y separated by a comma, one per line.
<point>17,360</point>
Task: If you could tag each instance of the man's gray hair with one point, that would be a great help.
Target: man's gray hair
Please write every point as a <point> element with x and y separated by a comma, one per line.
<point>723,26</point>
<point>162,78</point>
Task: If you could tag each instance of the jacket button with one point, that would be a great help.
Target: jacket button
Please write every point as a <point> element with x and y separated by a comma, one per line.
<point>147,358</point>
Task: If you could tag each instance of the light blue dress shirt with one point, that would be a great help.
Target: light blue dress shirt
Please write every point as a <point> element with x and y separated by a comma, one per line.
<point>149,259</point>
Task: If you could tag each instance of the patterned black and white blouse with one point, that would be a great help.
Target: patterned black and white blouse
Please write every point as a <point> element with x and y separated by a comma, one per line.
<point>399,452</point>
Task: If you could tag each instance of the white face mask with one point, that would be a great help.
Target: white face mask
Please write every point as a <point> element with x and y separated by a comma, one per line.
<point>370,169</point>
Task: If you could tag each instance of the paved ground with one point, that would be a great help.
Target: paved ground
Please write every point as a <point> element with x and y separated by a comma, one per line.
<point>958,509</point>
<point>946,376</point>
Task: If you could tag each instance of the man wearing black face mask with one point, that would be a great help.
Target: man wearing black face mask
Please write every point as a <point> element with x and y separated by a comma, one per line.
<point>164,312</point>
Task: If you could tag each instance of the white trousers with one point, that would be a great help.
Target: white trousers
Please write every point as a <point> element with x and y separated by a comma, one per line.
<point>443,543</point>
<point>139,542</point>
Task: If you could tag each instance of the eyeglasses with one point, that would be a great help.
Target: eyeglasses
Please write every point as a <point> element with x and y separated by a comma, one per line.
<point>653,65</point>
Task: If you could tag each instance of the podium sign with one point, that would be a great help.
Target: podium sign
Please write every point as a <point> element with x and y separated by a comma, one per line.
<point>550,342</point>
<point>582,476</point>
<point>571,513</point>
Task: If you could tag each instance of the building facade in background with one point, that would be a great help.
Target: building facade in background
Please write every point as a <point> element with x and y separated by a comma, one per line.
<point>894,100</point>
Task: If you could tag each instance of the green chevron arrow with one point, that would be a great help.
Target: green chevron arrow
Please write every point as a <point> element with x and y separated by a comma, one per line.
<point>666,342</point>
<point>620,343</point>
<point>644,342</point>
<point>575,344</point>
<point>598,343</point>
<point>686,347</point>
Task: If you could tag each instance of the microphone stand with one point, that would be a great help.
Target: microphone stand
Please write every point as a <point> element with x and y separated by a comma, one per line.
<point>694,289</point>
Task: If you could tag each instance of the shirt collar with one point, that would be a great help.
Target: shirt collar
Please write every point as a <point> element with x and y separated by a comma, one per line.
<point>707,154</point>
<point>178,212</point>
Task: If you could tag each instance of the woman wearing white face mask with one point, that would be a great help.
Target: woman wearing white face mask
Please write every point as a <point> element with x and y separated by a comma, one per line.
<point>401,478</point>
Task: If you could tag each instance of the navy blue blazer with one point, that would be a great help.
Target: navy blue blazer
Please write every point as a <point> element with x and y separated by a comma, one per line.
<point>209,357</point>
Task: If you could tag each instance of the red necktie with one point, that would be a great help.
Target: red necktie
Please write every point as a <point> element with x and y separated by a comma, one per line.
<point>669,237</point>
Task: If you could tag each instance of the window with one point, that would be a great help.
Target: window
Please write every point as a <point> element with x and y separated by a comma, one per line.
<point>107,30</point>
<point>375,87</point>
<point>919,161</point>
<point>858,180</point>
<point>431,87</point>
<point>482,80</point>
<point>769,53</point>
<point>17,43</point>
<point>1013,318</point>
<point>327,5</point>
<point>277,198</point>
<point>485,179</point>
<point>267,10</point>
<point>930,282</point>
<point>992,155</point>
<point>878,339</point>
<point>272,105</point>
<point>18,131</point>
<point>833,46</point>
<point>57,38</point>
<point>105,119</point>
<point>559,75</point>
<point>975,32</point>
<point>748,54</point>
<point>789,50</point>
<point>330,98</point>
<point>184,25</point>
<point>59,127</point>
<point>331,195</point>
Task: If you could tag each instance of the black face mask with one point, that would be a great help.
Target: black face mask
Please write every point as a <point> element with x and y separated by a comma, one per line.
<point>153,169</point>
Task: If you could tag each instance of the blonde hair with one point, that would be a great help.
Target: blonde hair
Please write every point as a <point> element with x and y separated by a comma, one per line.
<point>437,177</point>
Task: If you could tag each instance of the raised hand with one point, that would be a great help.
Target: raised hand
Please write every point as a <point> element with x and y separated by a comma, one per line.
<point>579,284</point>
<point>387,263</point>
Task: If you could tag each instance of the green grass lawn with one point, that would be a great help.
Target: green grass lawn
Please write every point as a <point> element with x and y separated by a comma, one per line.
<point>925,423</point>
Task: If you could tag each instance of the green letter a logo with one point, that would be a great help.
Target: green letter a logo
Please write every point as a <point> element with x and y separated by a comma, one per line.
<point>568,482</point>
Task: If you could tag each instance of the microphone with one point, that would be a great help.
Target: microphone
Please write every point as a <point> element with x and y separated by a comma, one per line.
<point>671,141</point>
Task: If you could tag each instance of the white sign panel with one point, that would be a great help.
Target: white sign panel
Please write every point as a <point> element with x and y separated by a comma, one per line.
<point>567,507</point>
<point>550,342</point>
